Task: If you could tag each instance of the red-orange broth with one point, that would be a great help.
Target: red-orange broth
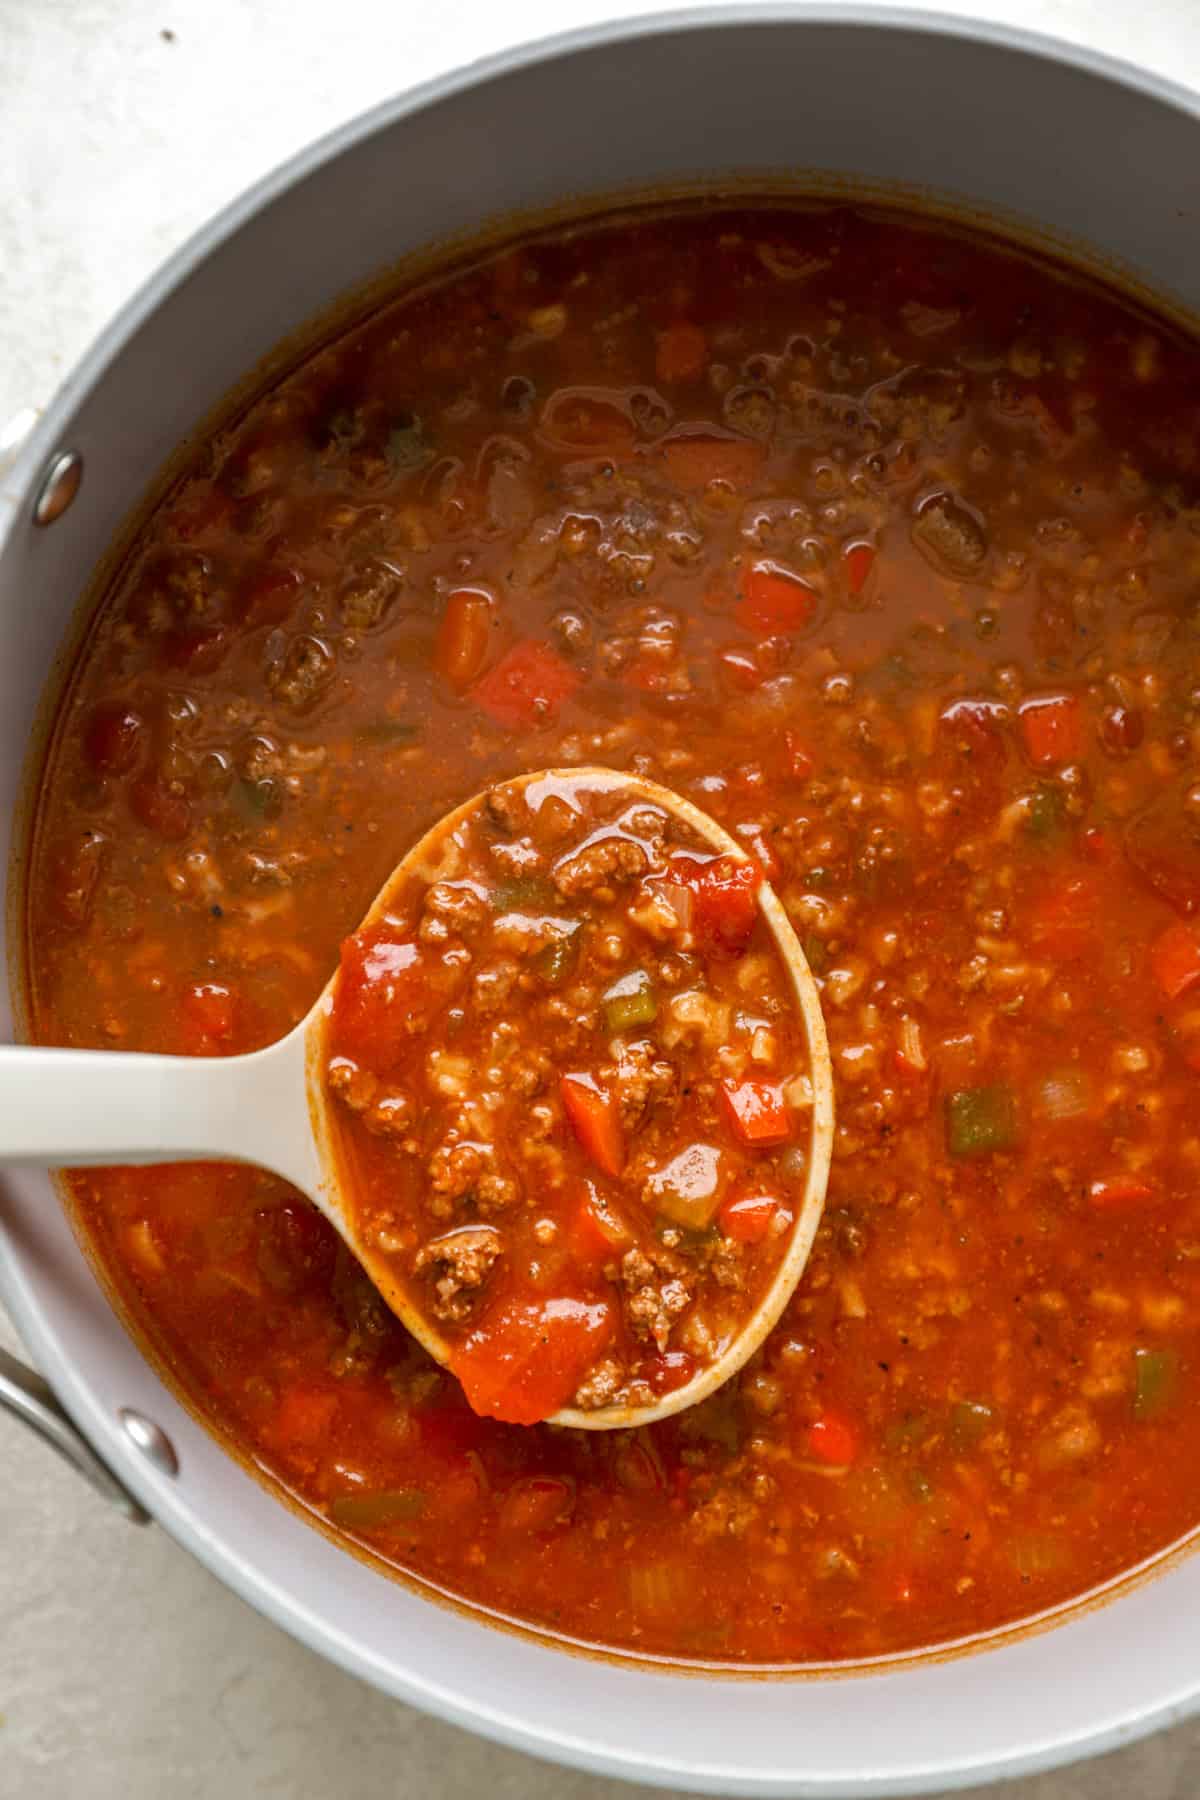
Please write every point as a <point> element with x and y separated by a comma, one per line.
<point>881,543</point>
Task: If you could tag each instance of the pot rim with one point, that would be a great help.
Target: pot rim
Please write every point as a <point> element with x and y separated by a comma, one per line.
<point>17,1289</point>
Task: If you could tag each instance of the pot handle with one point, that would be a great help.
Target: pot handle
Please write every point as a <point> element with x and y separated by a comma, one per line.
<point>30,1398</point>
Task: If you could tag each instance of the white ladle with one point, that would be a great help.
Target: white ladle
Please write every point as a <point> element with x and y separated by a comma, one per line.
<point>71,1108</point>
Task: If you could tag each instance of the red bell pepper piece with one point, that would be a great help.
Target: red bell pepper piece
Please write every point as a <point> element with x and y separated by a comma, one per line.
<point>758,1112</point>
<point>525,1359</point>
<point>382,981</point>
<point>1052,729</point>
<point>774,600</point>
<point>1175,959</point>
<point>1120,1190</point>
<point>1066,919</point>
<point>598,1232</point>
<point>726,891</point>
<point>747,1217</point>
<point>527,686</point>
<point>834,1439</point>
<point>596,1121</point>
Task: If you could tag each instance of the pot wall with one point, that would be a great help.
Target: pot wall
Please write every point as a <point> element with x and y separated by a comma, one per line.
<point>1028,132</point>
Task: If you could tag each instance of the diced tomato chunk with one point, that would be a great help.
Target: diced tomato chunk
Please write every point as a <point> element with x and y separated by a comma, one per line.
<point>773,599</point>
<point>859,560</point>
<point>596,1121</point>
<point>758,1112</point>
<point>761,849</point>
<point>210,1009</point>
<point>681,352</point>
<point>382,984</point>
<point>1066,920</point>
<point>834,1439</point>
<point>1052,729</point>
<point>726,893</point>
<point>462,638</point>
<point>525,1359</point>
<point>1121,1190</point>
<point>1097,845</point>
<point>666,1370</point>
<point>1175,959</point>
<point>747,1217</point>
<point>527,686</point>
<point>599,1232</point>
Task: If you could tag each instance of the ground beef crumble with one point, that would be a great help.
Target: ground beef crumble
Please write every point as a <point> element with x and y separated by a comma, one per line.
<point>602,1385</point>
<point>383,1109</point>
<point>597,865</point>
<point>466,1257</point>
<point>643,1081</point>
<point>655,1293</point>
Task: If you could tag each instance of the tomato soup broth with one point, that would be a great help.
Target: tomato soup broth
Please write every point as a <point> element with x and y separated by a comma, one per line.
<point>878,541</point>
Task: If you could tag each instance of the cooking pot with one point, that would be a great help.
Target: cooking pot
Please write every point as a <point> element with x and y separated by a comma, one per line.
<point>1077,154</point>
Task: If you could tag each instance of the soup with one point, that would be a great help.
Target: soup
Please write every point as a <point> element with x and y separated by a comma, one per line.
<point>880,543</point>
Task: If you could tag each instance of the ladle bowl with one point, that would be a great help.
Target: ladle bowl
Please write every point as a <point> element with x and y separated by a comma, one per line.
<point>271,1107</point>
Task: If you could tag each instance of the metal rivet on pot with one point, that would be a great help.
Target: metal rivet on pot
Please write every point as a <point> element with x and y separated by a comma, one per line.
<point>60,484</point>
<point>150,1439</point>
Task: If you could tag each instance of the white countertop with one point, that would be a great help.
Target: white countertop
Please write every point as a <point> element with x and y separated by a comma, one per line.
<point>126,1671</point>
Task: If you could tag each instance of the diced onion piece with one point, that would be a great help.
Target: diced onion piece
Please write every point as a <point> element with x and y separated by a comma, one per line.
<point>799,1092</point>
<point>143,1247</point>
<point>695,1015</point>
<point>910,1045</point>
<point>660,1590</point>
<point>663,910</point>
<point>1067,1095</point>
<point>850,1296</point>
<point>449,1074</point>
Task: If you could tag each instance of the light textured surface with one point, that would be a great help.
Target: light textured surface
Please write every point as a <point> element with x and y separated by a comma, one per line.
<point>125,1670</point>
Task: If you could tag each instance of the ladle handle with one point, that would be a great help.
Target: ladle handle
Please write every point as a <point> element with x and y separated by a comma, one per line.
<point>75,1107</point>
